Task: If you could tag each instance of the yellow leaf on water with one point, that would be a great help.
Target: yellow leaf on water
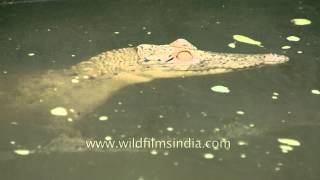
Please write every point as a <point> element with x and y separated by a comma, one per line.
<point>232,45</point>
<point>300,21</point>
<point>245,39</point>
<point>293,38</point>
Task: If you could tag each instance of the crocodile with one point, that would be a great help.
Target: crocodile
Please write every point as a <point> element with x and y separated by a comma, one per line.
<point>84,86</point>
<point>179,58</point>
<point>100,76</point>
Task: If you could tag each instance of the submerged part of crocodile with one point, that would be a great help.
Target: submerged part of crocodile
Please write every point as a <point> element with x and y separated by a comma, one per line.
<point>86,85</point>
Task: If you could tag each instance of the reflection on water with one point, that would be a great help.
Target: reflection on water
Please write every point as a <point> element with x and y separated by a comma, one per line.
<point>270,114</point>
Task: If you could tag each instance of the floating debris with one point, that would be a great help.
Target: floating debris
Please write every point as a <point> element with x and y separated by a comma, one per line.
<point>293,38</point>
<point>300,21</point>
<point>154,152</point>
<point>285,148</point>
<point>220,89</point>
<point>242,143</point>
<point>22,152</point>
<point>59,111</point>
<point>208,156</point>
<point>243,155</point>
<point>161,116</point>
<point>240,112</point>
<point>315,91</point>
<point>204,114</point>
<point>169,129</point>
<point>286,47</point>
<point>69,119</point>
<point>166,153</point>
<point>31,54</point>
<point>290,142</point>
<point>176,163</point>
<point>277,168</point>
<point>5,72</point>
<point>14,123</point>
<point>232,45</point>
<point>75,81</point>
<point>245,39</point>
<point>279,164</point>
<point>108,138</point>
<point>103,118</point>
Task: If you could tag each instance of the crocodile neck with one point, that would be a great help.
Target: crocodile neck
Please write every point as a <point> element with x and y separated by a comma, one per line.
<point>109,63</point>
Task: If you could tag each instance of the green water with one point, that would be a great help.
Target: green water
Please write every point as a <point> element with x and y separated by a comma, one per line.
<point>56,30</point>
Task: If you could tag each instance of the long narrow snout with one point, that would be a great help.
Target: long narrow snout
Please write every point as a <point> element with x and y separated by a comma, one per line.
<point>275,59</point>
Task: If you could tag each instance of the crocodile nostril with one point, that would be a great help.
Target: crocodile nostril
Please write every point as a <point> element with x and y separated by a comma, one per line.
<point>146,60</point>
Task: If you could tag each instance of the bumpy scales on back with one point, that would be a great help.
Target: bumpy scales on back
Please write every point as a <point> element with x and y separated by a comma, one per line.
<point>171,60</point>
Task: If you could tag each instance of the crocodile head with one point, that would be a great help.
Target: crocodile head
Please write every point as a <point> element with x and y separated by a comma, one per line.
<point>181,58</point>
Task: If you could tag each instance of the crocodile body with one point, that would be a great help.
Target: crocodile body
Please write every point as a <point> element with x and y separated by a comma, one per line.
<point>173,60</point>
<point>109,71</point>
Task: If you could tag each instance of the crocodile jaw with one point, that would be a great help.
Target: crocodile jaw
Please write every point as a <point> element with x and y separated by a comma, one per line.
<point>210,63</point>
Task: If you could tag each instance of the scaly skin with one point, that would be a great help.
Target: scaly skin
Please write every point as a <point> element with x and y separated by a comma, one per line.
<point>173,60</point>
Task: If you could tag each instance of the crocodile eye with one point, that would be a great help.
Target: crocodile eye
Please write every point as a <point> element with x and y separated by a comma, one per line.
<point>184,56</point>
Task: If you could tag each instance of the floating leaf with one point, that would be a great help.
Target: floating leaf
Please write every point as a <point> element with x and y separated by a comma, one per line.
<point>59,111</point>
<point>245,39</point>
<point>293,38</point>
<point>290,142</point>
<point>300,21</point>
<point>220,89</point>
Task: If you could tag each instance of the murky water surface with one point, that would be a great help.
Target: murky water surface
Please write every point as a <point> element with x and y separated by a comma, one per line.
<point>270,115</point>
